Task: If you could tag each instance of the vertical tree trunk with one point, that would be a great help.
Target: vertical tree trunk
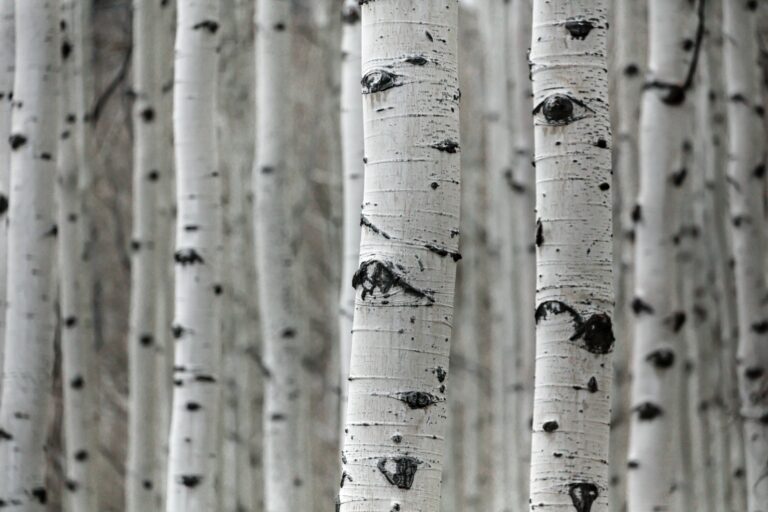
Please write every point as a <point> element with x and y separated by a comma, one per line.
<point>31,238</point>
<point>285,331</point>
<point>395,425</point>
<point>574,337</point>
<point>142,476</point>
<point>7,45</point>
<point>76,335</point>
<point>194,419</point>
<point>746,169</point>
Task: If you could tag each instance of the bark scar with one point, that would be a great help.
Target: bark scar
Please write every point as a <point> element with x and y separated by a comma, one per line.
<point>405,470</point>
<point>383,275</point>
<point>595,333</point>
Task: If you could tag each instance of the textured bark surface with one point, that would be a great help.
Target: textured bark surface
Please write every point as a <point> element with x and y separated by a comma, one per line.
<point>7,58</point>
<point>196,327</point>
<point>31,238</point>
<point>396,415</point>
<point>574,296</point>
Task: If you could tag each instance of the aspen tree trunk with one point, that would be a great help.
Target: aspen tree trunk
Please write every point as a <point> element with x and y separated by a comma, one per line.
<point>31,237</point>
<point>352,153</point>
<point>574,336</point>
<point>194,419</point>
<point>746,170</point>
<point>7,45</point>
<point>285,331</point>
<point>395,426</point>
<point>142,476</point>
<point>655,359</point>
<point>76,336</point>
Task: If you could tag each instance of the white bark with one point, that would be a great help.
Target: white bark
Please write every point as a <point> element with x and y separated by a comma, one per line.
<point>352,153</point>
<point>285,330</point>
<point>142,476</point>
<point>395,425</point>
<point>194,419</point>
<point>574,296</point>
<point>31,240</point>
<point>746,169</point>
<point>656,359</point>
<point>77,341</point>
<point>7,58</point>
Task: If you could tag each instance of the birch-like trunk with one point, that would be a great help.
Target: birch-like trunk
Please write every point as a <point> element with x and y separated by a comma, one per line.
<point>285,330</point>
<point>142,476</point>
<point>77,341</point>
<point>194,419</point>
<point>7,59</point>
<point>396,414</point>
<point>31,240</point>
<point>746,169</point>
<point>352,154</point>
<point>656,358</point>
<point>574,296</point>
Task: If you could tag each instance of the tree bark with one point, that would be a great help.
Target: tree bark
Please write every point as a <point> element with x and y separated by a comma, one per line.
<point>396,415</point>
<point>7,45</point>
<point>31,240</point>
<point>194,419</point>
<point>574,336</point>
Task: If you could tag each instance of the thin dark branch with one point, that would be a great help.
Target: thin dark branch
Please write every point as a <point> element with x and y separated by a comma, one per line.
<point>101,101</point>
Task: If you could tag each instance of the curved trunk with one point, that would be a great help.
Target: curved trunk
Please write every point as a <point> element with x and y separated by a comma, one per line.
<point>31,237</point>
<point>396,414</point>
<point>196,394</point>
<point>6,97</point>
<point>142,477</point>
<point>574,296</point>
<point>746,169</point>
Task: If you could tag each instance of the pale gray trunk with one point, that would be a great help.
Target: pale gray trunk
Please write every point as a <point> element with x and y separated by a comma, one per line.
<point>7,58</point>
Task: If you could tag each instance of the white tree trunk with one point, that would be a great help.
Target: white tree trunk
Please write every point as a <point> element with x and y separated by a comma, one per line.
<point>31,239</point>
<point>395,425</point>
<point>746,169</point>
<point>574,296</point>
<point>77,341</point>
<point>7,59</point>
<point>194,419</point>
<point>352,153</point>
<point>142,475</point>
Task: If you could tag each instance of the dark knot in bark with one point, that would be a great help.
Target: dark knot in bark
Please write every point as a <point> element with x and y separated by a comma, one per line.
<point>404,473</point>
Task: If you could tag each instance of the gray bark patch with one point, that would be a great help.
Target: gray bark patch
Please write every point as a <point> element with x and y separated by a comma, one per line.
<point>404,471</point>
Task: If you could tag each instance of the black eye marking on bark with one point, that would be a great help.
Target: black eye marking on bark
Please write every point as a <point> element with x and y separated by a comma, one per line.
<point>631,70</point>
<point>760,327</point>
<point>267,169</point>
<point>447,146</point>
<point>560,110</point>
<point>633,464</point>
<point>53,232</point>
<point>350,15</point>
<point>205,379</point>
<point>367,223</point>
<point>3,204</point>
<point>639,306</point>
<point>597,333</point>
<point>66,50</point>
<point>379,80</point>
<point>278,417</point>
<point>147,484</point>
<point>148,115</point>
<point>441,374</point>
<point>186,257</point>
<point>676,320</point>
<point>177,331</point>
<point>442,252</point>
<point>592,385</point>
<point>583,495</point>
<point>550,426</point>
<point>637,213</point>
<point>17,140</point>
<point>77,382</point>
<point>429,36</point>
<point>345,476</point>
<point>210,25</point>
<point>754,373</point>
<point>218,289</point>
<point>279,27</point>
<point>5,436</point>
<point>71,485</point>
<point>416,60</point>
<point>752,5</point>
<point>153,175</point>
<point>556,307</point>
<point>193,406</point>
<point>661,358</point>
<point>45,156</point>
<point>648,411</point>
<point>405,470</point>
<point>374,274</point>
<point>578,28</point>
<point>759,171</point>
<point>678,178</point>
<point>604,186</point>
<point>539,233</point>
<point>288,333</point>
<point>601,143</point>
<point>397,438</point>
<point>190,481</point>
<point>81,455</point>
<point>417,399</point>
<point>70,321</point>
<point>146,340</point>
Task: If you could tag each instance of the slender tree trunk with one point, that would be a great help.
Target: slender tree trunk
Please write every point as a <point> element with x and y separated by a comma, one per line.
<point>76,335</point>
<point>142,476</point>
<point>656,359</point>
<point>574,296</point>
<point>746,169</point>
<point>31,240</point>
<point>194,419</point>
<point>7,45</point>
<point>395,426</point>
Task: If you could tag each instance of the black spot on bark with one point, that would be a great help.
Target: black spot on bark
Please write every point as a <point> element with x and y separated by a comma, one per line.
<point>759,171</point>
<point>752,5</point>
<point>71,118</point>
<point>278,417</point>
<point>648,411</point>
<point>279,27</point>
<point>267,169</point>
<point>17,140</point>
<point>81,455</point>
<point>760,327</point>
<point>368,224</point>
<point>193,406</point>
<point>601,143</point>
<point>153,175</point>
<point>631,70</point>
<point>288,333</point>
<point>688,44</point>
<point>633,464</point>
<point>186,257</point>
<point>637,213</point>
<point>374,274</point>
<point>754,373</point>
<point>597,334</point>
<point>3,204</point>
<point>539,233</point>
<point>416,60</point>
<point>77,382</point>
<point>40,494</point>
<point>5,436</point>
<point>456,256</point>
<point>147,484</point>
<point>70,321</point>
<point>441,374</point>
<point>146,340</point>
<point>557,109</point>
<point>447,146</point>
<point>604,186</point>
<point>661,358</point>
<point>592,385</point>
<point>53,232</point>
<point>177,331</point>
<point>71,485</point>
<point>209,25</point>
<point>676,320</point>
<point>639,306</point>
<point>579,28</point>
<point>429,36</point>
<point>148,115</point>
<point>405,470</point>
<point>417,399</point>
<point>206,379</point>
<point>190,481</point>
<point>66,50</point>
<point>350,15</point>
<point>379,80</point>
<point>397,438</point>
<point>45,156</point>
<point>678,178</point>
<point>550,426</point>
<point>583,495</point>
